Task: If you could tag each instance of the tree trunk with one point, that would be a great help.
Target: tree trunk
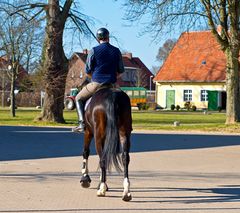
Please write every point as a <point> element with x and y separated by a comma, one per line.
<point>232,84</point>
<point>55,66</point>
<point>12,94</point>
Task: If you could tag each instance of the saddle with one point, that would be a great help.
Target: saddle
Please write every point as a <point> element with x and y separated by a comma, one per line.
<point>103,86</point>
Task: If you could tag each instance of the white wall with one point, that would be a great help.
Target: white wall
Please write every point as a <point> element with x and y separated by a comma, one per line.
<point>196,88</point>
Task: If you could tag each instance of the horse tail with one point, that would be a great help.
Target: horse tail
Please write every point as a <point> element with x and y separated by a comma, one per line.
<point>112,142</point>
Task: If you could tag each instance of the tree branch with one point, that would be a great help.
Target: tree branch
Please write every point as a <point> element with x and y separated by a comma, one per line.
<point>23,8</point>
<point>75,19</point>
<point>223,42</point>
<point>66,9</point>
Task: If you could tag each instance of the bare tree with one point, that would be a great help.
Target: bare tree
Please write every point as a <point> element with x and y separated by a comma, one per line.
<point>54,60</point>
<point>164,50</point>
<point>142,79</point>
<point>155,70</point>
<point>196,14</point>
<point>17,37</point>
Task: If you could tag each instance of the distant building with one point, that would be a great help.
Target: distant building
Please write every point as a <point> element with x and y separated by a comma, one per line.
<point>136,73</point>
<point>5,80</point>
<point>195,71</point>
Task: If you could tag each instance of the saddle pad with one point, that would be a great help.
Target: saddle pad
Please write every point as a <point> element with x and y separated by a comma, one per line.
<point>87,103</point>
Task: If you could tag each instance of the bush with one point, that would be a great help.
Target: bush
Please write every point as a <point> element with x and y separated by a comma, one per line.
<point>142,106</point>
<point>28,99</point>
<point>152,106</point>
<point>159,107</point>
<point>187,105</point>
<point>172,107</point>
<point>178,107</point>
<point>219,109</point>
<point>194,108</point>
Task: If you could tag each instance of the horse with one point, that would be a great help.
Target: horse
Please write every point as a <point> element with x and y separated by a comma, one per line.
<point>108,120</point>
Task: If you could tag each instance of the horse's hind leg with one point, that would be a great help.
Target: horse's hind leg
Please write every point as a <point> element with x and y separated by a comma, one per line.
<point>125,142</point>
<point>102,188</point>
<point>99,137</point>
<point>85,179</point>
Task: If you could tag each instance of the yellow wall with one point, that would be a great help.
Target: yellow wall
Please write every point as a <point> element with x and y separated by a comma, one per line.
<point>196,88</point>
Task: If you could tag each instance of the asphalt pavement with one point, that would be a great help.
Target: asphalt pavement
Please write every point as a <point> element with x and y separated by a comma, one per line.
<point>40,169</point>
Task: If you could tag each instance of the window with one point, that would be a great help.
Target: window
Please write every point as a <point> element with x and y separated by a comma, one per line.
<point>81,74</point>
<point>187,95</point>
<point>129,93</point>
<point>129,75</point>
<point>204,95</point>
<point>142,93</point>
<point>72,74</point>
<point>135,93</point>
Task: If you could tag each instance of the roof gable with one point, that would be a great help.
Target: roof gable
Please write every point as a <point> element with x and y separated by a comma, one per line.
<point>196,57</point>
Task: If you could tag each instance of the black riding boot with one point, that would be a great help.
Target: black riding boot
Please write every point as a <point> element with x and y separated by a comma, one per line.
<point>80,113</point>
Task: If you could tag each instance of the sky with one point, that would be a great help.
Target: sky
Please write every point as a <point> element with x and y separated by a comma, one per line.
<point>110,14</point>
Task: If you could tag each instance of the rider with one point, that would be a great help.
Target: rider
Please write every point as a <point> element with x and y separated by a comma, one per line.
<point>104,64</point>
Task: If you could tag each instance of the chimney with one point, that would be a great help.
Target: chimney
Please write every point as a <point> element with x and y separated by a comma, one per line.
<point>85,51</point>
<point>128,55</point>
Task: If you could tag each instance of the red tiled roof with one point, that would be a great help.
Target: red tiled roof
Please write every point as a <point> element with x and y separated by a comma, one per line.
<point>4,62</point>
<point>129,62</point>
<point>83,56</point>
<point>196,57</point>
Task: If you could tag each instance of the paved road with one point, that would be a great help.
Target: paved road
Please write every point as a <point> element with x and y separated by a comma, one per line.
<point>40,170</point>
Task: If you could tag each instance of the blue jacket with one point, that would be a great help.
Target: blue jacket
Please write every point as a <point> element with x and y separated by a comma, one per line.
<point>104,62</point>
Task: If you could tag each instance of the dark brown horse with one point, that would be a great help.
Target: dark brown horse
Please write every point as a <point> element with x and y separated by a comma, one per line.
<point>108,119</point>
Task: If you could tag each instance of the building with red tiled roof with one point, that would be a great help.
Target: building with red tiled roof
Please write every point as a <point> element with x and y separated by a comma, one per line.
<point>5,71</point>
<point>5,79</point>
<point>136,73</point>
<point>194,71</point>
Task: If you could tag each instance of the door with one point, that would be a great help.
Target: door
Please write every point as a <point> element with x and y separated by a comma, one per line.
<point>170,98</point>
<point>224,100</point>
<point>213,100</point>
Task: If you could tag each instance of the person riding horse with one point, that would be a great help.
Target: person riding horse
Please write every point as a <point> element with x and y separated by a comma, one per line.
<point>104,64</point>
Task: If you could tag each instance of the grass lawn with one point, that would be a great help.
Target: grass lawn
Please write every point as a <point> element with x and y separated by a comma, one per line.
<point>148,120</point>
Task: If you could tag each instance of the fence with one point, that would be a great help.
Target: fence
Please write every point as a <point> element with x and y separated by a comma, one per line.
<point>23,99</point>
<point>151,96</point>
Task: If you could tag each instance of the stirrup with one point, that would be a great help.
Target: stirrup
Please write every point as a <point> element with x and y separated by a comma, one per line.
<point>79,128</point>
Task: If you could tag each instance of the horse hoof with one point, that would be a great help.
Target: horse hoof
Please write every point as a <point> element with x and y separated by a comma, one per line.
<point>85,184</point>
<point>107,189</point>
<point>101,194</point>
<point>85,181</point>
<point>127,197</point>
<point>102,190</point>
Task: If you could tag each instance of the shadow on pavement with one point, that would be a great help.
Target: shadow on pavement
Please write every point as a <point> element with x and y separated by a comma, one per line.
<point>220,194</point>
<point>19,143</point>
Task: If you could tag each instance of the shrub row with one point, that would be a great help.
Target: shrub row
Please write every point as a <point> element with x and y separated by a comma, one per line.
<point>188,106</point>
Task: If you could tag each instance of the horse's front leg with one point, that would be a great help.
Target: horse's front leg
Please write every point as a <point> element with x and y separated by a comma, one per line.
<point>125,142</point>
<point>85,179</point>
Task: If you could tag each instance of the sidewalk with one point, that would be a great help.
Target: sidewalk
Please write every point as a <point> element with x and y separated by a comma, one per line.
<point>193,180</point>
